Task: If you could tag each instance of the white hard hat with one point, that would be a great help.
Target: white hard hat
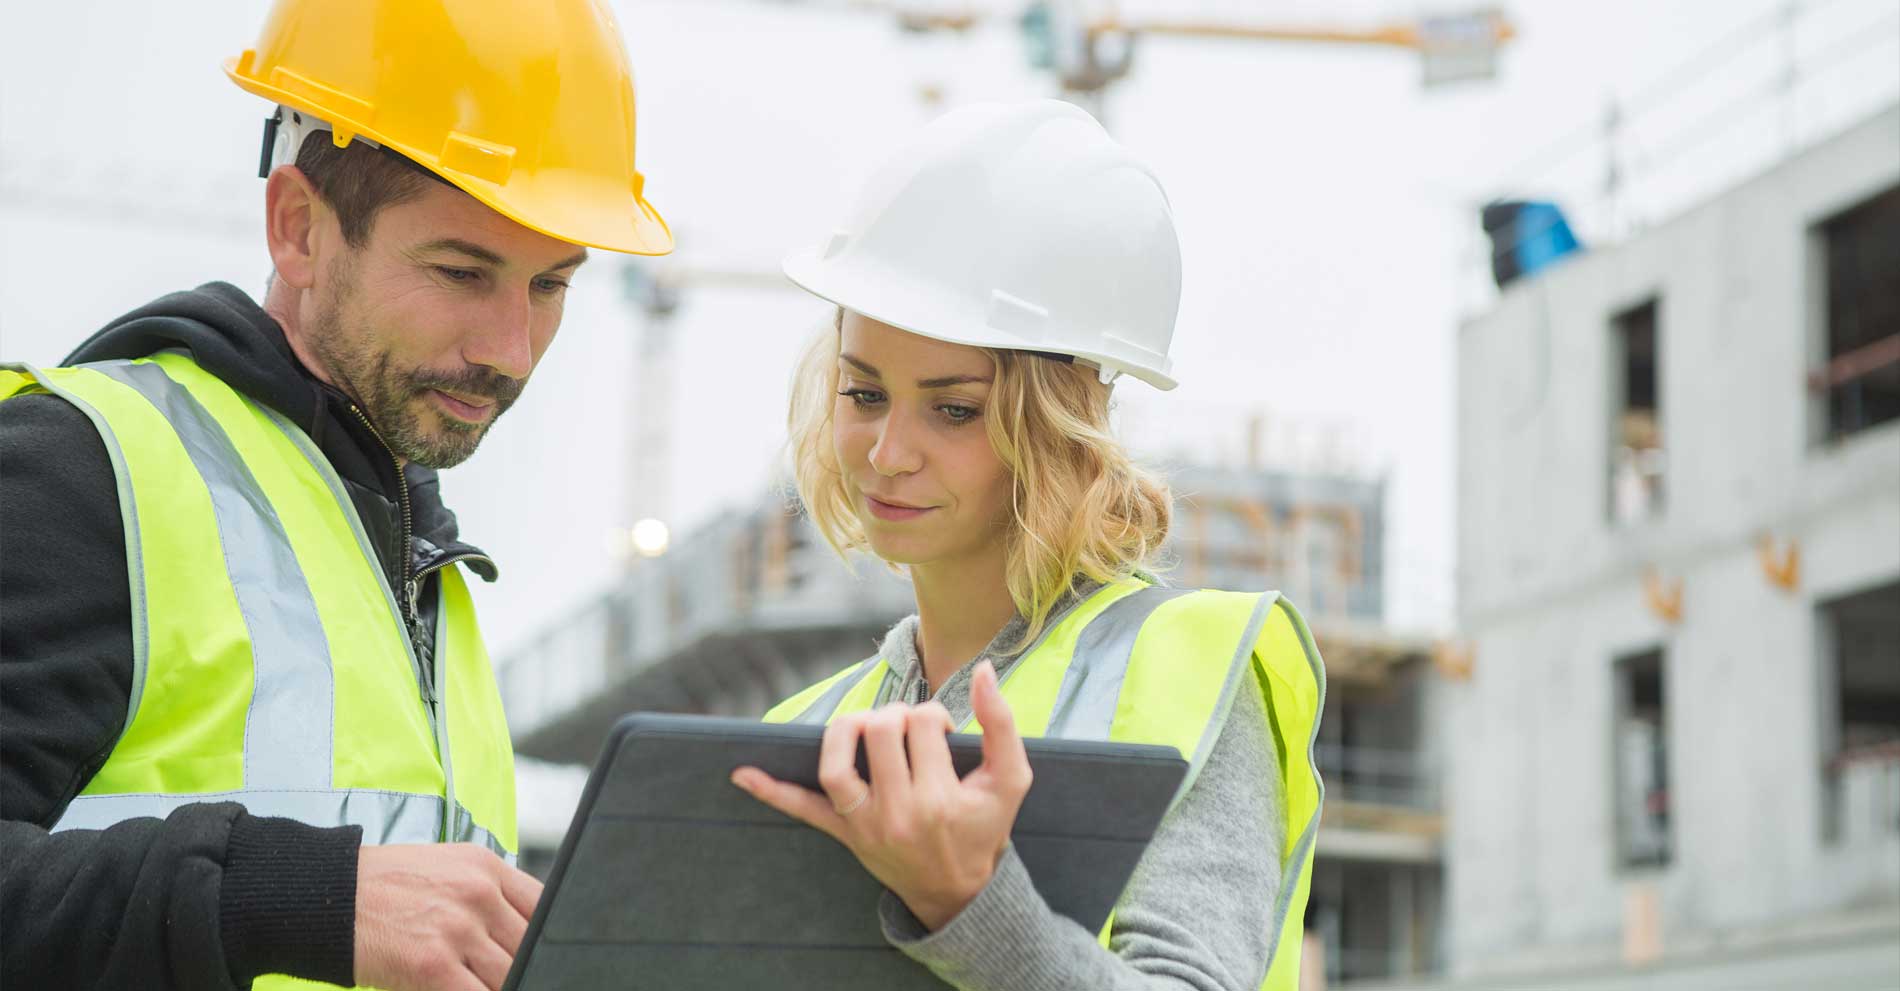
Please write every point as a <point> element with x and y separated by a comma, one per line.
<point>1020,226</point>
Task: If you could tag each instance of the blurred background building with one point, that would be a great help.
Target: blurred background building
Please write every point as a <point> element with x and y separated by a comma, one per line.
<point>1678,741</point>
<point>1546,356</point>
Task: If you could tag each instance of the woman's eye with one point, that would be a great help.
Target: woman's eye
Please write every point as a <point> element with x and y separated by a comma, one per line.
<point>960,414</point>
<point>863,398</point>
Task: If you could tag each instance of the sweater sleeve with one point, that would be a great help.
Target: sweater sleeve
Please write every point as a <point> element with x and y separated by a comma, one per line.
<point>206,898</point>
<point>1197,914</point>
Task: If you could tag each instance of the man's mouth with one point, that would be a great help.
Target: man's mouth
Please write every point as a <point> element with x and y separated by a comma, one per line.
<point>471,409</point>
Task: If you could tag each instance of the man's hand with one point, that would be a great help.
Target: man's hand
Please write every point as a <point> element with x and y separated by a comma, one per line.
<point>438,917</point>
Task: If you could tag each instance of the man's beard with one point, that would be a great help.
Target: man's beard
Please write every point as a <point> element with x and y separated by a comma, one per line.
<point>389,396</point>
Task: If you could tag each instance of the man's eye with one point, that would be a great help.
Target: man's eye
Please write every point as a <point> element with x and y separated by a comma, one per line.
<point>550,285</point>
<point>457,274</point>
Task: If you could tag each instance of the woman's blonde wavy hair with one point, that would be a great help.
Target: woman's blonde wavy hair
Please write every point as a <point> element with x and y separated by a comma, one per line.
<point>1082,508</point>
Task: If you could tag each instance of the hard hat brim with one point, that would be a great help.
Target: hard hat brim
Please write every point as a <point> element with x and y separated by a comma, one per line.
<point>567,207</point>
<point>836,281</point>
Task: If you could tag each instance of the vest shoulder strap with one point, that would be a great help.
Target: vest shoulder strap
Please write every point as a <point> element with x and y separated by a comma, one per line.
<point>816,703</point>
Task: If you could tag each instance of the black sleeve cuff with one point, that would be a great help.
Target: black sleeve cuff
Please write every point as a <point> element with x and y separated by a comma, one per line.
<point>288,900</point>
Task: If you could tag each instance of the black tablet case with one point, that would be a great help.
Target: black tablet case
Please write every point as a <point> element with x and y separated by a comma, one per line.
<point>671,877</point>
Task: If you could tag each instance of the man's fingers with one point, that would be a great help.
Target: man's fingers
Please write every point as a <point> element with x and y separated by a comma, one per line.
<point>523,891</point>
<point>489,963</point>
<point>438,917</point>
<point>462,979</point>
<point>809,807</point>
<point>1003,752</point>
<point>508,926</point>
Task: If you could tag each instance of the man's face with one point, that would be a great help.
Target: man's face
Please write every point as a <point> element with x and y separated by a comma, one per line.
<point>434,324</point>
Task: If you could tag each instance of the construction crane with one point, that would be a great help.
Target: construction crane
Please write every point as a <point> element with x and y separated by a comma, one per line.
<point>1088,53</point>
<point>1452,47</point>
<point>653,287</point>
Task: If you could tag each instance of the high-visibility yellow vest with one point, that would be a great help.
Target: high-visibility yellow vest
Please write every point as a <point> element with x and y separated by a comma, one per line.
<point>1143,664</point>
<point>271,666</point>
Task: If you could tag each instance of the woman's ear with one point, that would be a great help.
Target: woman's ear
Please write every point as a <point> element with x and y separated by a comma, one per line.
<point>292,210</point>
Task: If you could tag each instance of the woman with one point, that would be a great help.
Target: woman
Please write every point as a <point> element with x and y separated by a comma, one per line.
<point>996,276</point>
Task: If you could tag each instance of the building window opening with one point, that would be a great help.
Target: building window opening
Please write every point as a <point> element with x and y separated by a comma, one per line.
<point>1860,380</point>
<point>1861,749</point>
<point>1642,762</point>
<point>1637,458</point>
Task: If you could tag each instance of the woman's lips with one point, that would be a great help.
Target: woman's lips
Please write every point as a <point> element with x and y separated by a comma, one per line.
<point>892,512</point>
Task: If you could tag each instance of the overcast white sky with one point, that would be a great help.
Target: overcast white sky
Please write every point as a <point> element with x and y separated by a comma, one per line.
<point>1325,206</point>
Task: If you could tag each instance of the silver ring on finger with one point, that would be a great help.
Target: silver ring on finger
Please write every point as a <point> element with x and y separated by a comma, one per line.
<point>863,796</point>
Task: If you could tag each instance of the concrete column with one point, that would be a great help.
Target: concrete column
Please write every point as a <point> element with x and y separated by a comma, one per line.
<point>1402,881</point>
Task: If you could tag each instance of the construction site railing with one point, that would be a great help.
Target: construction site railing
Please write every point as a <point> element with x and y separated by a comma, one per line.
<point>1372,776</point>
<point>1863,800</point>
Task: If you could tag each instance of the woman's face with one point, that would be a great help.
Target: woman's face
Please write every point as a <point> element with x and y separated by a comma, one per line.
<point>908,430</point>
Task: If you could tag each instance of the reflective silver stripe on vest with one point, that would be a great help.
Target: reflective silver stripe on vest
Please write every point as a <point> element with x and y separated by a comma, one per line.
<point>457,828</point>
<point>819,711</point>
<point>1303,848</point>
<point>321,465</point>
<point>288,730</point>
<point>439,700</point>
<point>464,830</point>
<point>1091,687</point>
<point>1241,662</point>
<point>129,516</point>
<point>385,816</point>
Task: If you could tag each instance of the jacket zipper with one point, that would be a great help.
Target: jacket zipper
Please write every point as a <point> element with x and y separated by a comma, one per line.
<point>435,566</point>
<point>427,680</point>
<point>411,588</point>
<point>451,810</point>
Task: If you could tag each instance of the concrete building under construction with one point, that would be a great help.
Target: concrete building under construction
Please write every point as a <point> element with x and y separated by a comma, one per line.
<point>1674,756</point>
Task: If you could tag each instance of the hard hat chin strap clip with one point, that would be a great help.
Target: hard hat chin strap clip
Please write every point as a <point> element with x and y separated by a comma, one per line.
<point>1108,375</point>
<point>284,135</point>
<point>270,143</point>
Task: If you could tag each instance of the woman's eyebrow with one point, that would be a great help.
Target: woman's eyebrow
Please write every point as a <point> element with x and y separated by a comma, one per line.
<point>936,383</point>
<point>859,364</point>
<point>950,380</point>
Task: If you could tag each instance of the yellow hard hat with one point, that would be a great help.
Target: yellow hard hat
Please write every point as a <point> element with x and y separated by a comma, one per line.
<point>526,105</point>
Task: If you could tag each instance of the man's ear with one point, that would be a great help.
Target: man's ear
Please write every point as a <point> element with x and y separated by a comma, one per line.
<point>292,218</point>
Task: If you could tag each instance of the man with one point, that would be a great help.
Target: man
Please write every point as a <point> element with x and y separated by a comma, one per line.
<point>247,724</point>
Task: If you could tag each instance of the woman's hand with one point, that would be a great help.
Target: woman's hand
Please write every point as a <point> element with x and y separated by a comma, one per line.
<point>931,838</point>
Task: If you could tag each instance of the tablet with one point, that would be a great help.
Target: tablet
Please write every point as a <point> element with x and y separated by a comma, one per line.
<point>671,877</point>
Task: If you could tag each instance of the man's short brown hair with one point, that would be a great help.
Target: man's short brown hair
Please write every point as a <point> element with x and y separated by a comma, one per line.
<point>358,180</point>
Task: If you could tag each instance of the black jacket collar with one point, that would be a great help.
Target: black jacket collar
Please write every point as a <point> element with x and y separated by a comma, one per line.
<point>232,337</point>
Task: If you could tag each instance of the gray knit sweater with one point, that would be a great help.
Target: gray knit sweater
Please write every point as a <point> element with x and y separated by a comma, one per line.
<point>1198,912</point>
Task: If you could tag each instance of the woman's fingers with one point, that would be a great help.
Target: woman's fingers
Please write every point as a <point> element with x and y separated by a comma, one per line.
<point>809,807</point>
<point>884,751</point>
<point>1003,754</point>
<point>927,738</point>
<point>838,761</point>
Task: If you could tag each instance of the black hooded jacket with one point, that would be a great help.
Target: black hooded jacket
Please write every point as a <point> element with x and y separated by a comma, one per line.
<point>212,896</point>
